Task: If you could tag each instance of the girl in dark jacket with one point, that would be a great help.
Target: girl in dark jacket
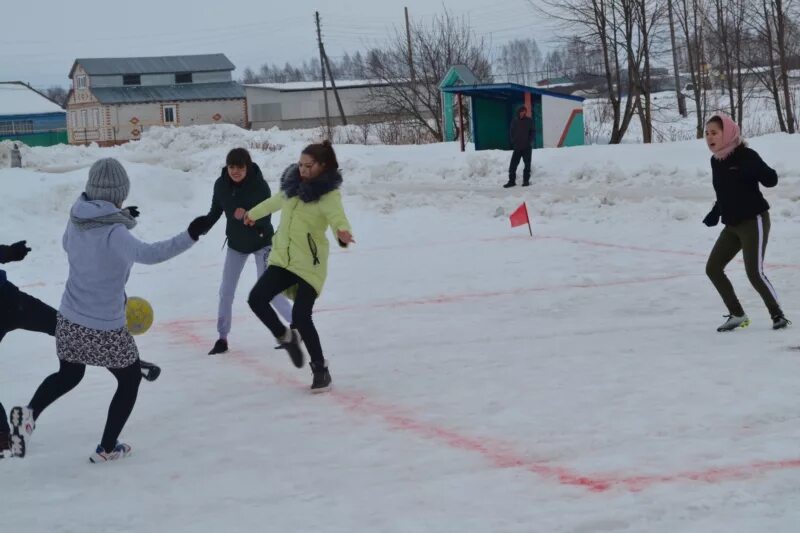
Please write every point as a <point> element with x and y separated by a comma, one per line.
<point>737,172</point>
<point>240,187</point>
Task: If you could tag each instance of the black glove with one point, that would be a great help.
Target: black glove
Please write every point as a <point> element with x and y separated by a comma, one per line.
<point>197,227</point>
<point>712,218</point>
<point>132,210</point>
<point>15,252</point>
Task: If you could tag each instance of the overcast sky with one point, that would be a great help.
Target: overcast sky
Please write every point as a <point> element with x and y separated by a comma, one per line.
<point>40,40</point>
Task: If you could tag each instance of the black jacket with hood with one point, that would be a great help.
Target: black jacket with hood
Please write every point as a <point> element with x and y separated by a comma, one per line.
<point>521,132</point>
<point>736,181</point>
<point>229,196</point>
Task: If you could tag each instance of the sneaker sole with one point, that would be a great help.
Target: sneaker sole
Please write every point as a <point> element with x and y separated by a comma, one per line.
<point>93,459</point>
<point>322,389</point>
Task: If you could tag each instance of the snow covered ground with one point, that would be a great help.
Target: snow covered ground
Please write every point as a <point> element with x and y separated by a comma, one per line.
<point>484,380</point>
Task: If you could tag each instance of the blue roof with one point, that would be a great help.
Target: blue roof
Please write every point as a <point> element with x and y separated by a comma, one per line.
<point>137,94</point>
<point>505,90</point>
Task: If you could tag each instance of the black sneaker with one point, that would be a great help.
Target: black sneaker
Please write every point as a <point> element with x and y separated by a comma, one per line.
<point>221,346</point>
<point>510,184</point>
<point>291,343</point>
<point>150,372</point>
<point>780,322</point>
<point>11,445</point>
<point>5,445</point>
<point>322,379</point>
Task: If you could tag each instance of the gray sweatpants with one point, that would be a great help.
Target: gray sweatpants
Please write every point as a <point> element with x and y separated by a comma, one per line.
<point>234,264</point>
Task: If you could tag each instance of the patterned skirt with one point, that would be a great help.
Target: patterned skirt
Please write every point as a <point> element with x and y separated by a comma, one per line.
<point>78,344</point>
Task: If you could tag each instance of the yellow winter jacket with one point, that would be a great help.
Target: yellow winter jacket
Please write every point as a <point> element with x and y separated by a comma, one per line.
<point>307,209</point>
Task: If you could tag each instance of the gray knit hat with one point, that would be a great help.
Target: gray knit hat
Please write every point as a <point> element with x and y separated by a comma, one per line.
<point>108,181</point>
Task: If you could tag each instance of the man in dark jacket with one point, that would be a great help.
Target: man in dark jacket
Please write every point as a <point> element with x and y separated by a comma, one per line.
<point>521,135</point>
<point>241,186</point>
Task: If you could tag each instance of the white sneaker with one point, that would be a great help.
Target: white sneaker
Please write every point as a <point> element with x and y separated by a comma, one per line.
<point>22,422</point>
<point>100,455</point>
<point>734,322</point>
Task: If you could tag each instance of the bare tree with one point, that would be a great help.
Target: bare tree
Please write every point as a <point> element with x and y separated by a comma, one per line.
<point>780,12</point>
<point>446,40</point>
<point>609,27</point>
<point>248,76</point>
<point>520,61</point>
<point>726,28</point>
<point>57,94</point>
<point>691,20</point>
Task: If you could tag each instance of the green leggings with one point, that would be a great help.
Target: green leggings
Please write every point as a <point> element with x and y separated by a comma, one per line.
<point>750,237</point>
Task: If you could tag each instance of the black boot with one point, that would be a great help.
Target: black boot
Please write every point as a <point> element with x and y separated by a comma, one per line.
<point>511,183</point>
<point>150,372</point>
<point>322,378</point>
<point>291,343</point>
<point>221,346</point>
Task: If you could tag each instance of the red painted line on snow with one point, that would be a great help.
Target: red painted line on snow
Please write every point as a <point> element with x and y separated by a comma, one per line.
<point>572,240</point>
<point>497,453</point>
<point>459,297</point>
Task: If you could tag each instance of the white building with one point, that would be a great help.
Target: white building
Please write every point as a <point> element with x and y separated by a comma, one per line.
<point>302,104</point>
<point>113,100</point>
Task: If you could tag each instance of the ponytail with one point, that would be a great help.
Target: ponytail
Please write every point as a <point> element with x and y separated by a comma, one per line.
<point>323,154</point>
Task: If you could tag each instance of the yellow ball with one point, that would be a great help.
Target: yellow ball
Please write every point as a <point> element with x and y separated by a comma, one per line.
<point>139,315</point>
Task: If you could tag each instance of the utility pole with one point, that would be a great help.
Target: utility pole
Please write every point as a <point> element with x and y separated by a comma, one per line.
<point>411,62</point>
<point>322,67</point>
<point>335,91</point>
<point>678,92</point>
<point>410,49</point>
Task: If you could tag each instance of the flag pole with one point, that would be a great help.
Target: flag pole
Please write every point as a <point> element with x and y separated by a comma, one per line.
<point>529,219</point>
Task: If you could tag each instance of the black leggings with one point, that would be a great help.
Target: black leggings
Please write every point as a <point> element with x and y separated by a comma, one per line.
<point>274,281</point>
<point>19,310</point>
<point>70,374</point>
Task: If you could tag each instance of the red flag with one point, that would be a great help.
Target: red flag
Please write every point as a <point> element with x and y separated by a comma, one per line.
<point>520,216</point>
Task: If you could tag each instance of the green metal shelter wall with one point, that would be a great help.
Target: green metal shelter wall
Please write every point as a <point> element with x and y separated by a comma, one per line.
<point>492,121</point>
<point>575,131</point>
<point>45,138</point>
<point>448,102</point>
<point>538,122</point>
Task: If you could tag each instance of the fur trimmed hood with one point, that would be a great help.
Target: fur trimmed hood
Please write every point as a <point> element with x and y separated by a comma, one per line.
<point>309,191</point>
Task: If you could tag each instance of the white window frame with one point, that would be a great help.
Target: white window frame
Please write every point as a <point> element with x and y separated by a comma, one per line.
<point>80,82</point>
<point>174,109</point>
<point>96,117</point>
<point>84,119</point>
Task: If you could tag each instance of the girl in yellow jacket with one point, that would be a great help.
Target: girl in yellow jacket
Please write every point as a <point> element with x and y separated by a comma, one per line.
<point>309,202</point>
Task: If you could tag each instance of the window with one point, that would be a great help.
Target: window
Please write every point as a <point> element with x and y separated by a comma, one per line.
<point>131,79</point>
<point>96,117</point>
<point>81,82</point>
<point>183,77</point>
<point>84,119</point>
<point>170,114</point>
<point>6,128</point>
